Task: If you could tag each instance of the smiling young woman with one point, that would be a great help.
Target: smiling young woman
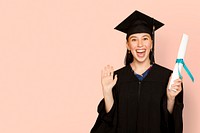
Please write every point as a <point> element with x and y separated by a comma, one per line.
<point>137,98</point>
<point>140,45</point>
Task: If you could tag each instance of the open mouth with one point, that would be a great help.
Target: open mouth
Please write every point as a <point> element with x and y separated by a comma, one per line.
<point>140,52</point>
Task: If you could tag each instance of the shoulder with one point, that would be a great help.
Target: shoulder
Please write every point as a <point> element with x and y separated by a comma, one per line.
<point>125,74</point>
<point>159,73</point>
<point>162,69</point>
<point>156,67</point>
<point>123,70</point>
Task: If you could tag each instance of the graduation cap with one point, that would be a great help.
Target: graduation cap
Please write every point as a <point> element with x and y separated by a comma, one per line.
<point>138,22</point>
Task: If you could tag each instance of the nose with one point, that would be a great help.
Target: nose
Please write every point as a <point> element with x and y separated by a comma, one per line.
<point>140,44</point>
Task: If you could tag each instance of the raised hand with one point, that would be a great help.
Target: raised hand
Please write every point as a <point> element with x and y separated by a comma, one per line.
<point>107,80</point>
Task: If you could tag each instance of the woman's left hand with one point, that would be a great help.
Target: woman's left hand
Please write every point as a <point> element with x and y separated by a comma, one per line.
<point>174,90</point>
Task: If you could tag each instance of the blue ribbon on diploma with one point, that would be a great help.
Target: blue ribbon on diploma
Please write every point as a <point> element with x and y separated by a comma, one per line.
<point>181,61</point>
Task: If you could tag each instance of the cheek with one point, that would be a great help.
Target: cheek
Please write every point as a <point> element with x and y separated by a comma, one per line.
<point>132,46</point>
<point>148,45</point>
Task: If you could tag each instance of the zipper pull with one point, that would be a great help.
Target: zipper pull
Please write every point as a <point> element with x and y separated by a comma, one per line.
<point>139,88</point>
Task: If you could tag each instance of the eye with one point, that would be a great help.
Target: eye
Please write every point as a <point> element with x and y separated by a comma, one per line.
<point>133,39</point>
<point>145,38</point>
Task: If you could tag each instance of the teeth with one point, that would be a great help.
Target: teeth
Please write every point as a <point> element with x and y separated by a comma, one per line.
<point>140,50</point>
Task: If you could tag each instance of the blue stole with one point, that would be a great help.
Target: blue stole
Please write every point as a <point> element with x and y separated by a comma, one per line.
<point>141,77</point>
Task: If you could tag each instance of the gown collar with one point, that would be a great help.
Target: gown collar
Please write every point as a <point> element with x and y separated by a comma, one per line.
<point>141,77</point>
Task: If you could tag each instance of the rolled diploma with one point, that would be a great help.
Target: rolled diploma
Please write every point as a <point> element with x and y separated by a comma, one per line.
<point>181,54</point>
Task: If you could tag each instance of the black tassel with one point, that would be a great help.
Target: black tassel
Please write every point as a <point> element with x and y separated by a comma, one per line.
<point>152,59</point>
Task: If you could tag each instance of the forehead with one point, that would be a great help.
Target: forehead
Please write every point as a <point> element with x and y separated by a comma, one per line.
<point>139,35</point>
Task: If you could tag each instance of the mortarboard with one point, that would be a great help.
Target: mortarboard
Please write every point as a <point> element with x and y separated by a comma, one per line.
<point>138,22</point>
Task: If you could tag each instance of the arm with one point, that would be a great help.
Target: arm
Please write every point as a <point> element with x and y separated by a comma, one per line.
<point>170,105</point>
<point>172,92</point>
<point>174,107</point>
<point>109,101</point>
<point>108,83</point>
<point>106,119</point>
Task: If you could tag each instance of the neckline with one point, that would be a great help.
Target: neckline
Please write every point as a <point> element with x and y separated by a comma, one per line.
<point>149,73</point>
<point>150,67</point>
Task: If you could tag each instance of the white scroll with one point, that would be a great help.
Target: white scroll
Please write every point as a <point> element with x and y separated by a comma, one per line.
<point>181,54</point>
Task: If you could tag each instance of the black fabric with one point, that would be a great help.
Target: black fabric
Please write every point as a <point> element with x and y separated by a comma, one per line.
<point>141,110</point>
<point>139,27</point>
<point>131,23</point>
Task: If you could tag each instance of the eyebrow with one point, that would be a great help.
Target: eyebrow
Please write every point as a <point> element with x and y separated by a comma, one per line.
<point>136,36</point>
<point>132,37</point>
<point>146,36</point>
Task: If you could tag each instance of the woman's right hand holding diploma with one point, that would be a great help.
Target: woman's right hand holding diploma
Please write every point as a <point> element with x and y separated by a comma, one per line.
<point>108,83</point>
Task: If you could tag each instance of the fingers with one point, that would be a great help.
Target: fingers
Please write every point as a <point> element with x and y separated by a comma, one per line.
<point>176,86</point>
<point>107,71</point>
<point>178,80</point>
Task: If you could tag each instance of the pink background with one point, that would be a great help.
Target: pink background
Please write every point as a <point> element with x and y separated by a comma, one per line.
<point>52,52</point>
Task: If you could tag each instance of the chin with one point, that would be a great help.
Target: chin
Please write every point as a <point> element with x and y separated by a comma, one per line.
<point>142,60</point>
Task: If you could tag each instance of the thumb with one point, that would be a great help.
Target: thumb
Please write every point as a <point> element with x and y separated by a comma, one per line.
<point>115,79</point>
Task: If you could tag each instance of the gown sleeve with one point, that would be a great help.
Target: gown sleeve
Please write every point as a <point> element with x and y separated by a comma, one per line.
<point>106,122</point>
<point>174,121</point>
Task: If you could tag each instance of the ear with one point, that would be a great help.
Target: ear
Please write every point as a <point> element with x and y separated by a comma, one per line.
<point>127,45</point>
<point>151,44</point>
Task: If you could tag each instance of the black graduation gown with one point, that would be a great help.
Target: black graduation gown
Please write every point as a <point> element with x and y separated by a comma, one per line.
<point>140,106</point>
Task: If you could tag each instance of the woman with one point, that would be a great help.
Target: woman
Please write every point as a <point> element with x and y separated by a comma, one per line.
<point>137,98</point>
